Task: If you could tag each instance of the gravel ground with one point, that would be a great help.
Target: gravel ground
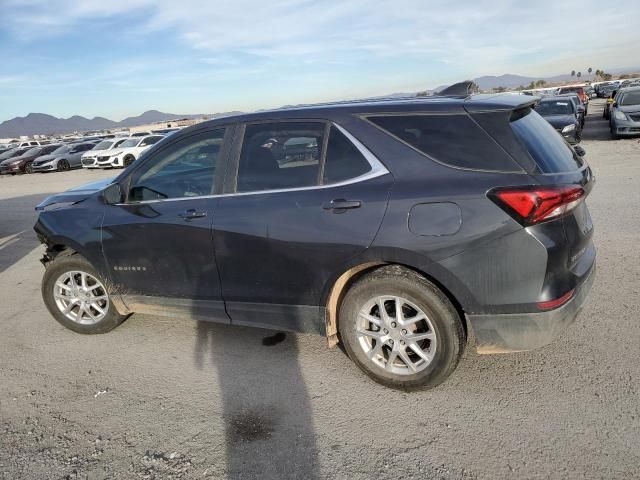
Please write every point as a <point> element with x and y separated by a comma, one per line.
<point>160,398</point>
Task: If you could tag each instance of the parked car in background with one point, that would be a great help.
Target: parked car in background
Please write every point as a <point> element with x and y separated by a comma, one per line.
<point>30,143</point>
<point>24,163</point>
<point>396,223</point>
<point>625,113</point>
<point>578,106</point>
<point>561,113</point>
<point>584,98</point>
<point>65,157</point>
<point>90,158</point>
<point>12,152</point>
<point>127,152</point>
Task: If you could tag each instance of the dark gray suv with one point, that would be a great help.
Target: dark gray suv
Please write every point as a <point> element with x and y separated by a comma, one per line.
<point>392,227</point>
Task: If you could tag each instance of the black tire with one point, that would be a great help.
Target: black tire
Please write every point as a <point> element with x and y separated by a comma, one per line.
<point>28,168</point>
<point>74,262</point>
<point>614,135</point>
<point>63,166</point>
<point>128,160</point>
<point>399,281</point>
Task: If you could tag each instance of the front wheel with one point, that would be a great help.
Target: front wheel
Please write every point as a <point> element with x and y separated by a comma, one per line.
<point>28,168</point>
<point>63,166</point>
<point>128,160</point>
<point>400,329</point>
<point>77,297</point>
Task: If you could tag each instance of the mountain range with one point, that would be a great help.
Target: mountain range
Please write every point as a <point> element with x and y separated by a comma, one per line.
<point>43,124</point>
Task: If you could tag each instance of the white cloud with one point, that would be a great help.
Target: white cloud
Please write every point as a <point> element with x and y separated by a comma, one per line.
<point>475,36</point>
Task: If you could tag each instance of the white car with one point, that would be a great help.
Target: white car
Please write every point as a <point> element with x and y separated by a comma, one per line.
<point>127,152</point>
<point>90,158</point>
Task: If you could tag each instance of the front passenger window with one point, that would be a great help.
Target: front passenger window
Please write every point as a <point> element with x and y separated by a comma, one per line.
<point>185,169</point>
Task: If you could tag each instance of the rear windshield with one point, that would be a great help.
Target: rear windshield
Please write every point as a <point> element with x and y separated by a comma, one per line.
<point>454,140</point>
<point>555,107</point>
<point>547,148</point>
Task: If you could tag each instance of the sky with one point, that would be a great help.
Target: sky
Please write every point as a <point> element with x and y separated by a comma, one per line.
<point>116,58</point>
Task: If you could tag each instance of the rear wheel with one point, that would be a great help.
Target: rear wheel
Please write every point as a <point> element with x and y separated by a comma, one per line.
<point>28,168</point>
<point>63,166</point>
<point>77,297</point>
<point>400,329</point>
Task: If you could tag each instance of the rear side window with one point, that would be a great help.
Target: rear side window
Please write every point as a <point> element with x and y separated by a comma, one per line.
<point>454,140</point>
<point>548,149</point>
<point>343,161</point>
<point>280,155</point>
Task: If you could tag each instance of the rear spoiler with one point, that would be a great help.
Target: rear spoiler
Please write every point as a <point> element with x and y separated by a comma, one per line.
<point>460,89</point>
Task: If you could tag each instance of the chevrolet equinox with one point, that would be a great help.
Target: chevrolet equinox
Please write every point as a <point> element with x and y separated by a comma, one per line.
<point>393,227</point>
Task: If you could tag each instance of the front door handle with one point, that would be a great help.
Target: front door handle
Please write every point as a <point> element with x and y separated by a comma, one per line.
<point>192,213</point>
<point>339,205</point>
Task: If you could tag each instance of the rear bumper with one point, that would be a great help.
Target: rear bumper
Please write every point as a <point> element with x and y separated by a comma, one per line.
<point>504,333</point>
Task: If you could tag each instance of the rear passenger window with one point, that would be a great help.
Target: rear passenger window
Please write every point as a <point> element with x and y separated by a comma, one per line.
<point>280,155</point>
<point>454,140</point>
<point>343,161</point>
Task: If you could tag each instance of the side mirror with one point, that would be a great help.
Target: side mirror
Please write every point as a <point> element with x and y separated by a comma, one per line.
<point>112,194</point>
<point>580,151</point>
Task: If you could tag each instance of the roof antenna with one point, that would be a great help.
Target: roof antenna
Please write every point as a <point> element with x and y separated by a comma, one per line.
<point>464,89</point>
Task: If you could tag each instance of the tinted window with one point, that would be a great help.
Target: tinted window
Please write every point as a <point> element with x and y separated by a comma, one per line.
<point>454,140</point>
<point>556,107</point>
<point>48,149</point>
<point>548,149</point>
<point>280,155</point>
<point>150,141</point>
<point>343,160</point>
<point>131,142</point>
<point>185,169</point>
<point>630,98</point>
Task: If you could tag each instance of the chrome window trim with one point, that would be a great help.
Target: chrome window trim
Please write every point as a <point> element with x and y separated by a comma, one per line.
<point>377,170</point>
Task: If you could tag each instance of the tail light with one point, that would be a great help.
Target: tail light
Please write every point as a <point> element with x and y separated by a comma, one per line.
<point>557,302</point>
<point>534,204</point>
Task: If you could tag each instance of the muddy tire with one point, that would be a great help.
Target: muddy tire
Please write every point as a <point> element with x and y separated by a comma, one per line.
<point>77,296</point>
<point>400,329</point>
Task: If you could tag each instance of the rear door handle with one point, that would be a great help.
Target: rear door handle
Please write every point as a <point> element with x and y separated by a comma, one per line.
<point>192,213</point>
<point>339,205</point>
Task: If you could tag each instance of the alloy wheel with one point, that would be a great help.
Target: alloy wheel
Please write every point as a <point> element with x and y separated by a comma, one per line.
<point>81,297</point>
<point>396,335</point>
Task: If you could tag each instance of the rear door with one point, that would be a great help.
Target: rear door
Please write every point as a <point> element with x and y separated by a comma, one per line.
<point>305,199</point>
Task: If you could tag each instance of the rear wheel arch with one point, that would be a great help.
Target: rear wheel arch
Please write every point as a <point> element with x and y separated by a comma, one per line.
<point>343,283</point>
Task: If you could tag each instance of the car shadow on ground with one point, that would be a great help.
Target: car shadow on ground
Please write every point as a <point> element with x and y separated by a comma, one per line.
<point>17,237</point>
<point>266,408</point>
<point>596,127</point>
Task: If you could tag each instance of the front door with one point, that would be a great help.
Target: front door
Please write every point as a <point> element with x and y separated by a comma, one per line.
<point>158,243</point>
<point>297,217</point>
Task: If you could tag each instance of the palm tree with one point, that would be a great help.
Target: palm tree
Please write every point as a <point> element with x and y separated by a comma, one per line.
<point>590,70</point>
<point>573,73</point>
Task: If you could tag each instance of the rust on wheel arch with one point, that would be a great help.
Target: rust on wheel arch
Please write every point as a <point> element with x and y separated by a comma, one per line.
<point>335,300</point>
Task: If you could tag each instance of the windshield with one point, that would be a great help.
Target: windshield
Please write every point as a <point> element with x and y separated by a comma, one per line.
<point>61,149</point>
<point>556,107</point>
<point>630,98</point>
<point>132,142</point>
<point>33,151</point>
<point>104,145</point>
